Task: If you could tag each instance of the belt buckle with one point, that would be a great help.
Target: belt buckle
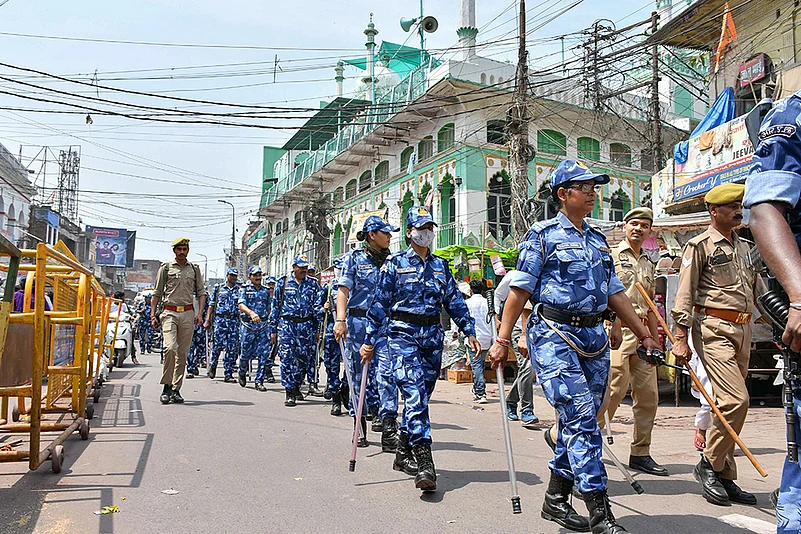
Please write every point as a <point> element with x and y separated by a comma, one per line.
<point>743,317</point>
<point>575,320</point>
<point>179,309</point>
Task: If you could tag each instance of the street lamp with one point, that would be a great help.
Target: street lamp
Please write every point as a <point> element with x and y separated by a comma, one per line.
<point>233,230</point>
<point>205,267</point>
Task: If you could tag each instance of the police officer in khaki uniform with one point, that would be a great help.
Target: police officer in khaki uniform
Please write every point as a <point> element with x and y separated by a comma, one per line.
<point>177,284</point>
<point>632,265</point>
<point>717,291</point>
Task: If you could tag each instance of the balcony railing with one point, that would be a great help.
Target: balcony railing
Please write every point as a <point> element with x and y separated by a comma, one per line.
<point>387,105</point>
<point>449,234</point>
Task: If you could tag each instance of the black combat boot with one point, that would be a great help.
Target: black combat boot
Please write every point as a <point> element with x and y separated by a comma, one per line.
<point>260,387</point>
<point>601,519</point>
<point>166,394</point>
<point>426,478</point>
<point>290,397</point>
<point>363,436</point>
<point>176,397</point>
<point>404,459</point>
<point>557,505</point>
<point>328,394</point>
<point>314,391</point>
<point>389,435</point>
<point>268,376</point>
<point>211,373</point>
<point>344,395</point>
<point>298,395</point>
<point>336,404</point>
<point>377,424</point>
<point>243,380</point>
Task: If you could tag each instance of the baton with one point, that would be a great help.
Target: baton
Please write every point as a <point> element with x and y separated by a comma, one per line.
<point>700,386</point>
<point>634,484</point>
<point>510,461</point>
<point>358,421</point>
<point>609,438</point>
<point>351,390</point>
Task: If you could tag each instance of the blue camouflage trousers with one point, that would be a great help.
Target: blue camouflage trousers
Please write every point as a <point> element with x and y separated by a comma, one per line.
<point>255,343</point>
<point>415,353</point>
<point>197,350</point>
<point>145,336</point>
<point>575,386</point>
<point>295,342</point>
<point>226,336</point>
<point>788,509</point>
<point>357,330</point>
<point>332,358</point>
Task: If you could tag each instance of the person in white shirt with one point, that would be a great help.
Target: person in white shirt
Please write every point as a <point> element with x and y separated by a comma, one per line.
<point>477,305</point>
<point>522,391</point>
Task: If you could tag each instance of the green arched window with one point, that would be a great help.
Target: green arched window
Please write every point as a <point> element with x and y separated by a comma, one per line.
<point>619,205</point>
<point>425,149</point>
<point>405,157</point>
<point>446,137</point>
<point>350,189</point>
<point>365,181</point>
<point>552,142</point>
<point>381,172</point>
<point>337,239</point>
<point>408,202</point>
<point>589,149</point>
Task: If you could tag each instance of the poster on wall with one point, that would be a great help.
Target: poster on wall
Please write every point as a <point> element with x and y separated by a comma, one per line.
<point>109,245</point>
<point>358,222</point>
<point>715,157</point>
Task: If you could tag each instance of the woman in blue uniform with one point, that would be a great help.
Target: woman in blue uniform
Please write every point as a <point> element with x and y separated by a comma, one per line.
<point>413,288</point>
<point>355,294</point>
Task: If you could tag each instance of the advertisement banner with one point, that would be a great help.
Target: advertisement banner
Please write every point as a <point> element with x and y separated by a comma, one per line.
<point>358,222</point>
<point>716,157</point>
<point>109,245</point>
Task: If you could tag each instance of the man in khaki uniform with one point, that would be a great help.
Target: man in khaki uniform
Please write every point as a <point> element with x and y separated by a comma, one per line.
<point>178,283</point>
<point>717,291</point>
<point>632,265</point>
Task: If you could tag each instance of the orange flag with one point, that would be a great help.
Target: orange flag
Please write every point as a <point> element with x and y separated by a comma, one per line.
<point>728,33</point>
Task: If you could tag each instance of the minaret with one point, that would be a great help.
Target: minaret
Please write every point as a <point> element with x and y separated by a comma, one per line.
<point>467,32</point>
<point>340,77</point>
<point>370,32</point>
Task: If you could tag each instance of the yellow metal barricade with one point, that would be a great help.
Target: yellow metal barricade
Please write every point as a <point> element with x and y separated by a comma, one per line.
<point>58,346</point>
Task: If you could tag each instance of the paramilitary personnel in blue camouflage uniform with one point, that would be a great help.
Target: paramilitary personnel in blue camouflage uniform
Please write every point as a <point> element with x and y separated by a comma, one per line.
<point>773,194</point>
<point>332,355</point>
<point>293,325</point>
<point>254,305</point>
<point>310,369</point>
<point>224,317</point>
<point>197,350</point>
<point>358,284</point>
<point>413,287</point>
<point>566,269</point>
<point>144,309</point>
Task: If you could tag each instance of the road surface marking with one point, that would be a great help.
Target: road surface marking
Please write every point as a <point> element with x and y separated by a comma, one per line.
<point>754,525</point>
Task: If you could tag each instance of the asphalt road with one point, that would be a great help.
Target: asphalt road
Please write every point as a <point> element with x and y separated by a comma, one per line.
<point>239,461</point>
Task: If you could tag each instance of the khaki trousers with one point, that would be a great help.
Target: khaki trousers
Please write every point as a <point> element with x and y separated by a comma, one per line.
<point>177,329</point>
<point>628,369</point>
<point>724,349</point>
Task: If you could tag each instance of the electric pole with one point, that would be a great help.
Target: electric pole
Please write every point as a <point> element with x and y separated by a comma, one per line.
<point>520,151</point>
<point>656,122</point>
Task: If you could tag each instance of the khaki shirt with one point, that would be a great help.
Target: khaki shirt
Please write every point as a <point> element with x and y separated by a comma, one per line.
<point>181,285</point>
<point>715,273</point>
<point>631,269</point>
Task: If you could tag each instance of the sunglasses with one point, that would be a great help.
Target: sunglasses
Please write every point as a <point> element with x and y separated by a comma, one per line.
<point>587,188</point>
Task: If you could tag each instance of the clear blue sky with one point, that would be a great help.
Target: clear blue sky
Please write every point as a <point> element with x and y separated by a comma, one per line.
<point>198,156</point>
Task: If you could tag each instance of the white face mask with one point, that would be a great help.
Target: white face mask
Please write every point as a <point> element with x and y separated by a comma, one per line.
<point>422,238</point>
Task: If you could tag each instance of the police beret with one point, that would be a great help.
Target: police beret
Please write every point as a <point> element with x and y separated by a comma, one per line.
<point>724,194</point>
<point>418,216</point>
<point>375,223</point>
<point>639,213</point>
<point>181,241</point>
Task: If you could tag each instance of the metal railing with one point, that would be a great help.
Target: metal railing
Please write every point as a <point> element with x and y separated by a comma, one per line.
<point>449,234</point>
<point>387,105</point>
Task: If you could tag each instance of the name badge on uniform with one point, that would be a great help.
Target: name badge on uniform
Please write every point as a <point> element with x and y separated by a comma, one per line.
<point>627,265</point>
<point>605,249</point>
<point>567,246</point>
<point>438,272</point>
<point>364,267</point>
<point>407,270</point>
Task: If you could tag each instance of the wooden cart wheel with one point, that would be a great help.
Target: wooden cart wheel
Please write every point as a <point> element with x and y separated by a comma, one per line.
<point>15,413</point>
<point>84,430</point>
<point>96,395</point>
<point>57,458</point>
<point>90,412</point>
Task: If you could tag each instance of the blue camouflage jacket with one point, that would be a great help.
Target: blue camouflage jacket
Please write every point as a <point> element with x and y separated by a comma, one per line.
<point>257,300</point>
<point>225,299</point>
<point>299,300</point>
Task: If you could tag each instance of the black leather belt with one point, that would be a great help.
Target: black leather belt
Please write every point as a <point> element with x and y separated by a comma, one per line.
<point>357,312</point>
<point>226,315</point>
<point>296,319</point>
<point>581,321</point>
<point>412,318</point>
